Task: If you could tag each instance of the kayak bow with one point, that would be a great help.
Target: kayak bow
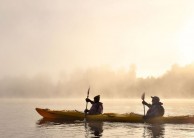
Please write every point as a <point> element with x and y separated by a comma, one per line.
<point>76,115</point>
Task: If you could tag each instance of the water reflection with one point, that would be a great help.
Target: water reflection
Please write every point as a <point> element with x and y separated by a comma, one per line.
<point>155,130</point>
<point>92,129</point>
<point>49,122</point>
<point>96,128</point>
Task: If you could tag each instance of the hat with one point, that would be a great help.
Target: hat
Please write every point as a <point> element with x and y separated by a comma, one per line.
<point>155,98</point>
<point>98,96</point>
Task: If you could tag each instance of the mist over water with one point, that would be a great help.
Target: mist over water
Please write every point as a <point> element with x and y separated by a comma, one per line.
<point>175,83</point>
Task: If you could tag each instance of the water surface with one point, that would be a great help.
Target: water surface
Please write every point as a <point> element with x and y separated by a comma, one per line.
<point>19,119</point>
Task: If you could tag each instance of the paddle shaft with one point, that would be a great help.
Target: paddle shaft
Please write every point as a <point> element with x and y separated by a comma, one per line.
<point>144,109</point>
<point>87,102</point>
<point>143,97</point>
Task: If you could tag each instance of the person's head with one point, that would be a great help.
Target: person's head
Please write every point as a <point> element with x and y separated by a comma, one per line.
<point>97,98</point>
<point>155,99</point>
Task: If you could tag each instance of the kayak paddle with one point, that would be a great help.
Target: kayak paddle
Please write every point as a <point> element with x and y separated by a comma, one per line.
<point>143,97</point>
<point>87,102</point>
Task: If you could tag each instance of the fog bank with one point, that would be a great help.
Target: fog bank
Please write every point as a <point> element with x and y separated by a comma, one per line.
<point>177,82</point>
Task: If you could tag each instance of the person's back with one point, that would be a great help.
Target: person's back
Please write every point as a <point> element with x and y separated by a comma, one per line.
<point>97,107</point>
<point>155,109</point>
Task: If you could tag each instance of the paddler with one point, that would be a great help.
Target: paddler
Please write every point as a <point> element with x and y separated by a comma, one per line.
<point>155,109</point>
<point>97,106</point>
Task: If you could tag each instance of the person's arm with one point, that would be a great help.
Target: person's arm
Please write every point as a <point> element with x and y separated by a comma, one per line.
<point>88,100</point>
<point>147,104</point>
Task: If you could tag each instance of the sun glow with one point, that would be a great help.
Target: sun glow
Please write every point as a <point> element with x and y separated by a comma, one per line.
<point>186,43</point>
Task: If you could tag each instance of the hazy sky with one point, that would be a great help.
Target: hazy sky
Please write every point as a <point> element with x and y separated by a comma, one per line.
<point>54,36</point>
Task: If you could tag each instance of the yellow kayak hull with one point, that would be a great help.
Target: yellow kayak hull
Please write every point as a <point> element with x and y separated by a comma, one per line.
<point>76,115</point>
<point>72,115</point>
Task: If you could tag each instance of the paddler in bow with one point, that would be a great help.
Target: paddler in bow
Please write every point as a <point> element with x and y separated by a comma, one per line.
<point>97,106</point>
<point>155,109</point>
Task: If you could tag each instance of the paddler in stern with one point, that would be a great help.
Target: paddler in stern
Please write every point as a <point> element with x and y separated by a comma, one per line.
<point>155,109</point>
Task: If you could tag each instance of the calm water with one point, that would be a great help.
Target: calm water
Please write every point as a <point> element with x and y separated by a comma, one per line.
<point>19,119</point>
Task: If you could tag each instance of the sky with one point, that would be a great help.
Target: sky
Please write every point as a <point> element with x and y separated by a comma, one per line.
<point>52,37</point>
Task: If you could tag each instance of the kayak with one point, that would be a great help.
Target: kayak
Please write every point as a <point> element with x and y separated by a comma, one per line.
<point>73,115</point>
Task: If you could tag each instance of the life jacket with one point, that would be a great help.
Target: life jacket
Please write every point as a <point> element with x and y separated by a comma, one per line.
<point>97,108</point>
<point>156,110</point>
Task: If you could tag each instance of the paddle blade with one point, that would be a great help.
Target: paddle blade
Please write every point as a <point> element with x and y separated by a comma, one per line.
<point>88,92</point>
<point>143,96</point>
